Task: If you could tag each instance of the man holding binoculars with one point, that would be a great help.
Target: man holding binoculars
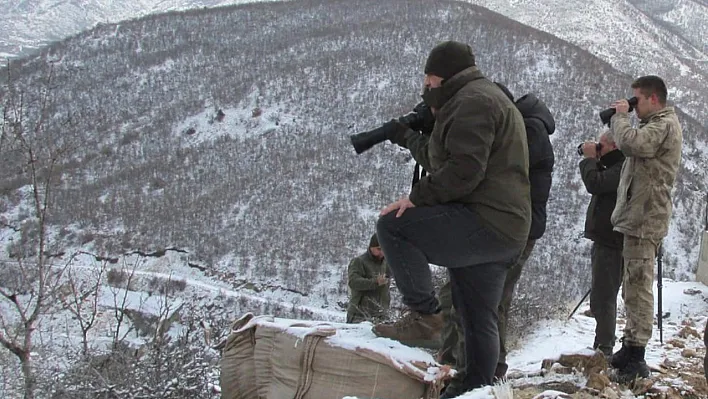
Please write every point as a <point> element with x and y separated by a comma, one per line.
<point>643,208</point>
<point>600,171</point>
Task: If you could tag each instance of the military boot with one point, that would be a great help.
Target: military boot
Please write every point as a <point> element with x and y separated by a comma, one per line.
<point>621,357</point>
<point>635,367</point>
<point>414,329</point>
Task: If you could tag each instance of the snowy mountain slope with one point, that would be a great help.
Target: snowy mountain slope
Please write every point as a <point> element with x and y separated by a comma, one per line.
<point>669,32</point>
<point>224,134</point>
<point>685,18</point>
<point>636,37</point>
<point>677,363</point>
<point>250,194</point>
<point>28,24</point>
<point>197,307</point>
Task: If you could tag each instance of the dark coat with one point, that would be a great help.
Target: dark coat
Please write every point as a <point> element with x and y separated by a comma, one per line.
<point>601,179</point>
<point>477,155</point>
<point>539,126</point>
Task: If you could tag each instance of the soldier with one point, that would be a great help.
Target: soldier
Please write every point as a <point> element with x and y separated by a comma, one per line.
<point>643,209</point>
<point>369,285</point>
<point>601,175</point>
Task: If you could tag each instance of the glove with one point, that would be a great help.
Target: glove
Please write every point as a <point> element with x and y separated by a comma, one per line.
<point>425,121</point>
<point>396,132</point>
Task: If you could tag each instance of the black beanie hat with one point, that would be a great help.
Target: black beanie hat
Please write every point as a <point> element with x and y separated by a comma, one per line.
<point>448,58</point>
<point>374,243</point>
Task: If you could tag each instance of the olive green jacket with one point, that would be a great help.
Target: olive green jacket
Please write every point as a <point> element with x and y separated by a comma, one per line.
<point>368,300</point>
<point>477,155</point>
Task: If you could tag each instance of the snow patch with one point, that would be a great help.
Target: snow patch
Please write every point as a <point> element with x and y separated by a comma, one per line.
<point>249,118</point>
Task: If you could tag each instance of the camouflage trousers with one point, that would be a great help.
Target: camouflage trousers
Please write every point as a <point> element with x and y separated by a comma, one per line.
<point>453,347</point>
<point>639,255</point>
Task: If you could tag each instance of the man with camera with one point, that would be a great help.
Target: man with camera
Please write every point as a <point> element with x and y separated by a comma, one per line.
<point>643,209</point>
<point>540,125</point>
<point>600,171</point>
<point>471,213</point>
<point>369,285</point>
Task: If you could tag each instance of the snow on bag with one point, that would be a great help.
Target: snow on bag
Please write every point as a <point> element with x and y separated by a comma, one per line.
<point>271,358</point>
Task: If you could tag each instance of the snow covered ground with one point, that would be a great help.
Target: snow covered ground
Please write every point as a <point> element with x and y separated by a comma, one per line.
<point>677,363</point>
<point>684,302</point>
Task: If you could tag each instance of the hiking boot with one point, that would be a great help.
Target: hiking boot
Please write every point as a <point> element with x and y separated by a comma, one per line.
<point>621,357</point>
<point>633,370</point>
<point>500,372</point>
<point>606,350</point>
<point>414,329</point>
<point>635,366</point>
<point>452,391</point>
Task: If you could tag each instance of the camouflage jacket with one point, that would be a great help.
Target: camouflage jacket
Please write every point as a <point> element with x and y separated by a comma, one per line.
<point>653,157</point>
<point>368,299</point>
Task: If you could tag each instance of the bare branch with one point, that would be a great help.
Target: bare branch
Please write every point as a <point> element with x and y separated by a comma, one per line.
<point>79,294</point>
<point>25,129</point>
<point>12,346</point>
<point>119,309</point>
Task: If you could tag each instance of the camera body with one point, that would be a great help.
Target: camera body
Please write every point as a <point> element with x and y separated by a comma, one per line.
<point>606,115</point>
<point>598,147</point>
<point>412,120</point>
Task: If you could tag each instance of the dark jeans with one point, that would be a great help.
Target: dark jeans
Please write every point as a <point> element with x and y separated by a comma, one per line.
<point>454,344</point>
<point>505,305</point>
<point>477,259</point>
<point>607,272</point>
<point>452,333</point>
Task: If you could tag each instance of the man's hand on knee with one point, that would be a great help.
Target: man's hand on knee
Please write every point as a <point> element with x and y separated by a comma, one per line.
<point>401,205</point>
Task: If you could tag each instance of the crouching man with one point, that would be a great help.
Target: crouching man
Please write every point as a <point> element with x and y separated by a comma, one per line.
<point>369,285</point>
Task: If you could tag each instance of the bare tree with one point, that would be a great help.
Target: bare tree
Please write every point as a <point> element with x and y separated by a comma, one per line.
<point>81,298</point>
<point>120,282</point>
<point>31,152</point>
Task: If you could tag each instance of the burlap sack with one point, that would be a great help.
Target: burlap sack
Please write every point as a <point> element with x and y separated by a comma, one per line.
<point>267,358</point>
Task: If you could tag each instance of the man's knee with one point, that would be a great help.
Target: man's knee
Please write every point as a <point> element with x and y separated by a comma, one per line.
<point>383,223</point>
<point>640,272</point>
<point>639,248</point>
<point>386,226</point>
